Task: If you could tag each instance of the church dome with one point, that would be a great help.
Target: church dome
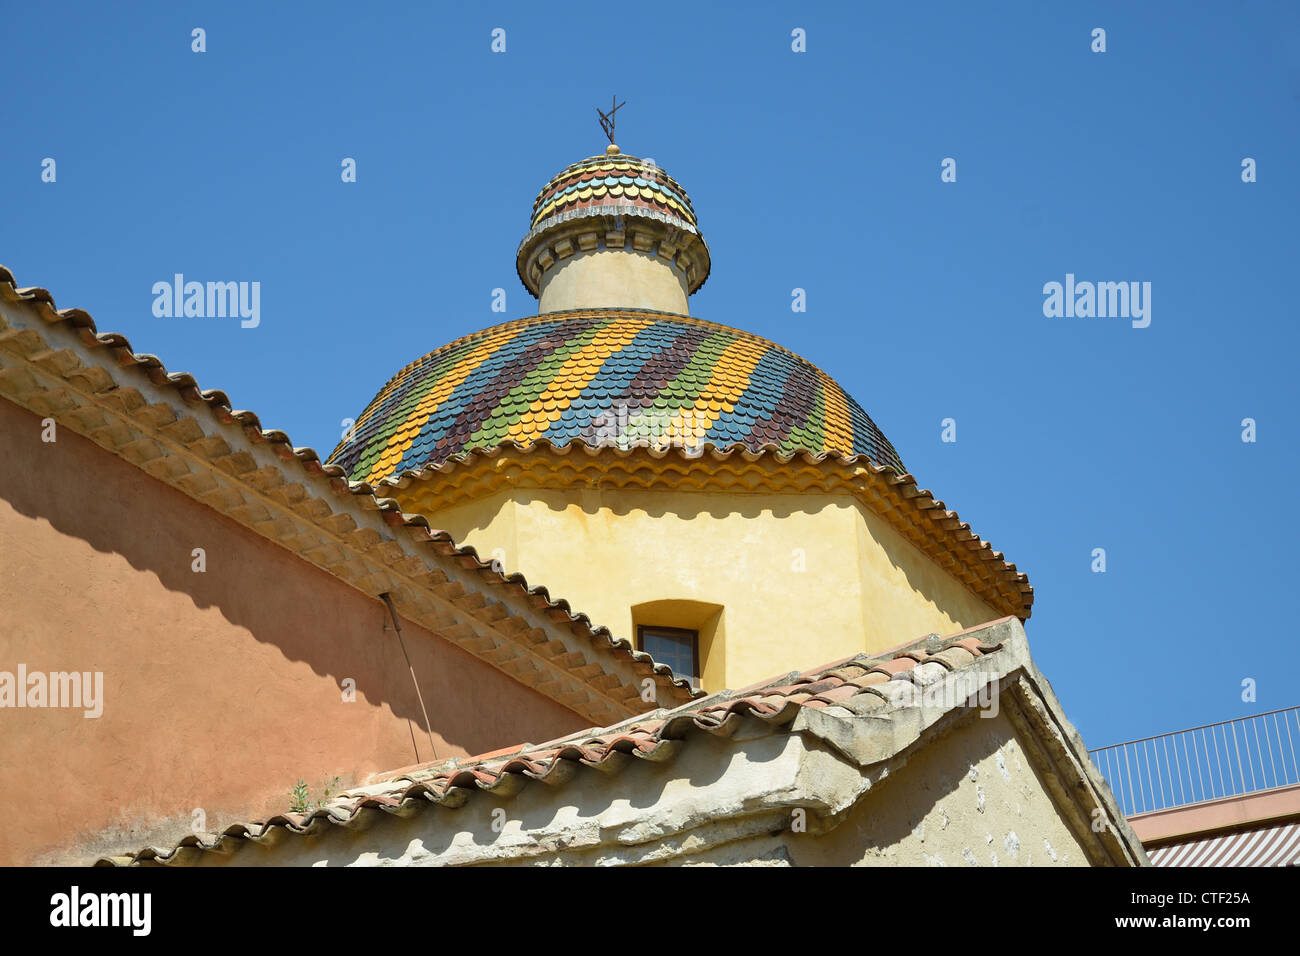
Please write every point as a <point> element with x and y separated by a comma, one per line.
<point>622,377</point>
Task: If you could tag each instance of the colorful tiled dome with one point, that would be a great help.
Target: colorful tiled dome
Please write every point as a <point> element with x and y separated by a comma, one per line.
<point>631,185</point>
<point>606,376</point>
<point>603,190</point>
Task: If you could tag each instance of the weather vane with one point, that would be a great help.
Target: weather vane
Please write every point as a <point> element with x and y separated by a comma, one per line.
<point>607,119</point>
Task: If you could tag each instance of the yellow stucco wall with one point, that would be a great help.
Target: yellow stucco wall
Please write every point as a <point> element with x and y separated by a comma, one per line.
<point>900,587</point>
<point>488,525</point>
<point>607,278</point>
<point>802,579</point>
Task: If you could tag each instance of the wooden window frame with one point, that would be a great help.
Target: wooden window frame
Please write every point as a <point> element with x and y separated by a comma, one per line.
<point>695,644</point>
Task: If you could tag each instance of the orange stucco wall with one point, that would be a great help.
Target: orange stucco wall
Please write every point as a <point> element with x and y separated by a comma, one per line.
<point>222,688</point>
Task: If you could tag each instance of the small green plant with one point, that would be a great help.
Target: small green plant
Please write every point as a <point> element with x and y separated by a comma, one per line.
<point>299,800</point>
<point>300,796</point>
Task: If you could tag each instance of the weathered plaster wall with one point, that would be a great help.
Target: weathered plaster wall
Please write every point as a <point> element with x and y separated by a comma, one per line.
<point>595,818</point>
<point>969,798</point>
<point>221,688</point>
<point>613,278</point>
<point>803,578</point>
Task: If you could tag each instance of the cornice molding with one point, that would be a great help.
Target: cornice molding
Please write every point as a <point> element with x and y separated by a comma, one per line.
<point>55,365</point>
<point>661,236</point>
<point>914,513</point>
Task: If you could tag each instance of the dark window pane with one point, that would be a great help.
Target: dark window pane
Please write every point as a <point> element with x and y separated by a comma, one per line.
<point>672,646</point>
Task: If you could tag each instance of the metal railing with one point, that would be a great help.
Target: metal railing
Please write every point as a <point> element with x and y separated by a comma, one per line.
<point>1226,759</point>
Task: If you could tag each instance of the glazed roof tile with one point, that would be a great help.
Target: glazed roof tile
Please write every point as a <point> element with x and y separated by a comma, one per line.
<point>630,184</point>
<point>600,196</point>
<point>607,376</point>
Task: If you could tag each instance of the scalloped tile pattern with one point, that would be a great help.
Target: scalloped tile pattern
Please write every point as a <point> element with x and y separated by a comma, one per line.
<point>604,181</point>
<point>607,376</point>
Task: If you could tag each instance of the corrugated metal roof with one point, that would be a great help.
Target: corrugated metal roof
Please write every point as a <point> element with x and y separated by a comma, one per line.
<point>1276,845</point>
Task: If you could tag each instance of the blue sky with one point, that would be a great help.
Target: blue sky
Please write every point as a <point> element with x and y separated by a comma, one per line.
<point>817,170</point>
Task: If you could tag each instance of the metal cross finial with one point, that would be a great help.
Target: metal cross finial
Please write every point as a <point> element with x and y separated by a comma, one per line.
<point>607,119</point>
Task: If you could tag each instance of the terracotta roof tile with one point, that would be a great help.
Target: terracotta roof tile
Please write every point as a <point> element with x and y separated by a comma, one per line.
<point>847,672</point>
<point>775,702</point>
<point>895,666</point>
<point>869,678</point>
<point>953,657</point>
<point>925,673</point>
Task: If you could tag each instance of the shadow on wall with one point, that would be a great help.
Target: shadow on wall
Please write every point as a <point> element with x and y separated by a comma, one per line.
<point>685,505</point>
<point>258,588</point>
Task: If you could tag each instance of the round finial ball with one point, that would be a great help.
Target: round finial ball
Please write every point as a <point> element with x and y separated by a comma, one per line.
<point>611,150</point>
